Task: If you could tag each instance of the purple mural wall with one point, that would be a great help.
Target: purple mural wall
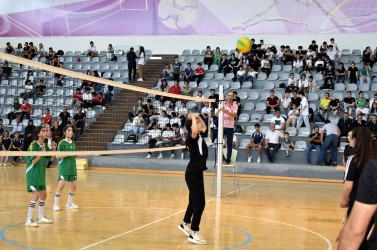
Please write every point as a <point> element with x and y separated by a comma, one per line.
<point>184,17</point>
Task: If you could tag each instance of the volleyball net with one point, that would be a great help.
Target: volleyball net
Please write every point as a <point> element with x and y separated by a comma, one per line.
<point>107,115</point>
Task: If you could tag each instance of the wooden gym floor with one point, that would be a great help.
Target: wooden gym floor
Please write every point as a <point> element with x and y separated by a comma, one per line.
<point>135,210</point>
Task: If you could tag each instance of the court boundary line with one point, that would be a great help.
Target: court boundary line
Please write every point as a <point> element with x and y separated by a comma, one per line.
<point>156,221</point>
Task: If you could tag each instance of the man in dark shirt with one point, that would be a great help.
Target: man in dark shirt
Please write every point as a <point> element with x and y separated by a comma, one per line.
<point>314,143</point>
<point>329,77</point>
<point>65,117</point>
<point>177,68</point>
<point>296,99</point>
<point>6,71</point>
<point>359,122</point>
<point>224,66</point>
<point>259,52</point>
<point>349,103</point>
<point>214,96</point>
<point>353,73</point>
<point>314,46</point>
<point>131,58</point>
<point>148,110</point>
<point>321,55</point>
<point>39,90</point>
<point>79,120</point>
<point>372,125</point>
<point>345,124</point>
<point>233,63</point>
<point>272,102</point>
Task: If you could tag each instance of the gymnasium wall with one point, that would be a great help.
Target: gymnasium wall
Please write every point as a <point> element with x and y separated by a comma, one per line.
<point>167,26</point>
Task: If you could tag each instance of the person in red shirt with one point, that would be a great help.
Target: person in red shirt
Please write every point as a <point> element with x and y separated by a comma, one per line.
<point>98,100</point>
<point>272,102</point>
<point>175,89</point>
<point>25,109</point>
<point>47,117</point>
<point>77,98</point>
<point>198,73</point>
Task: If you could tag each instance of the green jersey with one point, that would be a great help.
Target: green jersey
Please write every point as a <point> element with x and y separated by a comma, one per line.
<point>67,165</point>
<point>362,102</point>
<point>187,88</point>
<point>36,173</point>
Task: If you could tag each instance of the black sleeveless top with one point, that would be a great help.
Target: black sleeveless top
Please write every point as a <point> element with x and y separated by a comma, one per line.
<point>198,160</point>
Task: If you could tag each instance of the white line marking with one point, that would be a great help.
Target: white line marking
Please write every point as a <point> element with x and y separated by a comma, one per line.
<point>154,222</point>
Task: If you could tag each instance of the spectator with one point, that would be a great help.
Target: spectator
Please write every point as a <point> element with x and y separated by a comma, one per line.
<point>295,99</point>
<point>200,104</point>
<point>314,143</point>
<point>148,111</point>
<point>6,71</point>
<point>304,112</point>
<point>312,52</point>
<point>224,66</point>
<point>188,73</point>
<point>324,105</point>
<point>18,128</point>
<point>171,108</point>
<point>28,134</point>
<point>365,75</point>
<point>287,144</point>
<point>175,89</point>
<point>87,99</point>
<point>177,68</point>
<point>334,106</point>
<point>265,65</point>
<point>368,57</point>
<point>158,111</point>
<point>272,141</point>
<point>26,52</point>
<point>259,52</point>
<point>167,73</point>
<point>6,143</point>
<point>353,73</point>
<point>251,75</point>
<point>98,99</point>
<point>182,112</point>
<point>206,110</point>
<point>65,117</point>
<point>237,101</point>
<point>85,83</point>
<point>233,64</point>
<point>213,125</point>
<point>110,52</point>
<point>349,103</point>
<point>39,90</point>
<point>303,84</point>
<point>272,102</point>
<point>313,85</point>
<point>215,97</point>
<point>16,110</point>
<point>341,73</point>
<point>138,124</point>
<point>238,54</point>
<point>270,55</point>
<point>230,112</point>
<point>131,58</point>
<point>292,83</point>
<point>51,144</point>
<point>298,65</point>
<point>47,116</point>
<point>373,126</point>
<point>329,76</point>
<point>279,55</point>
<point>319,65</point>
<point>77,98</point>
<point>25,109</point>
<point>108,92</point>
<point>29,90</point>
<point>56,132</point>
<point>349,147</point>
<point>16,145</point>
<point>136,109</point>
<point>218,54</point>
<point>309,64</point>
<point>92,51</point>
<point>41,50</point>
<point>2,128</point>
<point>293,116</point>
<point>362,105</point>
<point>329,142</point>
<point>332,54</point>
<point>234,142</point>
<point>177,140</point>
<point>9,49</point>
<point>373,101</point>
<point>344,125</point>
<point>285,103</point>
<point>240,76</point>
<point>163,120</point>
<point>255,63</point>
<point>154,136</point>
<point>198,73</point>
<point>164,87</point>
<point>359,122</point>
<point>166,139</point>
<point>186,89</point>
<point>279,122</point>
<point>19,50</point>
<point>256,141</point>
<point>288,56</point>
<point>174,119</point>
<point>301,52</point>
<point>208,57</point>
<point>51,54</point>
<point>373,110</point>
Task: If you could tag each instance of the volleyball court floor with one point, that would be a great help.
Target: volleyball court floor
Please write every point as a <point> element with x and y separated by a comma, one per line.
<point>135,210</point>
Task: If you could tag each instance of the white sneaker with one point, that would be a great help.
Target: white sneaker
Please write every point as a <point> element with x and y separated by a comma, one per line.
<point>172,156</point>
<point>1,164</point>
<point>259,159</point>
<point>72,206</point>
<point>103,108</point>
<point>55,207</point>
<point>197,238</point>
<point>160,156</point>
<point>141,80</point>
<point>44,220</point>
<point>182,156</point>
<point>185,229</point>
<point>249,158</point>
<point>148,156</point>
<point>31,223</point>
<point>5,164</point>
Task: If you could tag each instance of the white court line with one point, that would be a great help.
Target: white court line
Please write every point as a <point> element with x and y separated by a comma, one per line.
<point>154,222</point>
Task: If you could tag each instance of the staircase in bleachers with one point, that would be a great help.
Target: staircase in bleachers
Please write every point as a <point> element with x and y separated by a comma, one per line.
<point>105,127</point>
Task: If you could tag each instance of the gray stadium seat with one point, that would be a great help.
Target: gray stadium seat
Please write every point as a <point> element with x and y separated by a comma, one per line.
<point>213,85</point>
<point>313,97</point>
<point>356,52</point>
<point>364,87</point>
<point>235,85</point>
<point>303,132</point>
<point>339,87</point>
<point>244,117</point>
<point>374,87</point>
<point>287,68</point>
<point>273,76</point>
<point>264,129</point>
<point>242,95</point>
<point>269,85</point>
<point>267,118</point>
<point>208,76</point>
<point>248,106</point>
<point>243,143</point>
<point>202,85</point>
<point>276,68</point>
<point>229,76</point>
<point>346,52</point>
<point>250,130</point>
<point>254,96</point>
<point>193,84</point>
<point>344,59</point>
<point>283,76</point>
<point>318,77</point>
<point>333,119</point>
<point>195,52</point>
<point>313,106</point>
<point>291,130</point>
<point>225,84</point>
<point>262,76</point>
<point>186,52</point>
<point>264,96</point>
<point>261,106</point>
<point>247,85</point>
<point>351,87</point>
<point>300,145</point>
<point>338,96</point>
<point>219,76</point>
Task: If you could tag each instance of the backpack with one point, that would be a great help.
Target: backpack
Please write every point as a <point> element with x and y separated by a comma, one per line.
<point>60,53</point>
<point>238,129</point>
<point>132,138</point>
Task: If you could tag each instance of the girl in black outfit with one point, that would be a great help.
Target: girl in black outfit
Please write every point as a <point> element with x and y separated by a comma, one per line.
<point>194,178</point>
<point>361,154</point>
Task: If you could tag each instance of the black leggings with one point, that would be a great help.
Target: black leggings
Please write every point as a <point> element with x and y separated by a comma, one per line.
<point>195,208</point>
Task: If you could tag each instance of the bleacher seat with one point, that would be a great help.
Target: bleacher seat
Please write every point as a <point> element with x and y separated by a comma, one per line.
<point>247,85</point>
<point>262,76</point>
<point>339,87</point>
<point>202,85</point>
<point>276,67</point>
<point>287,68</point>
<point>344,59</point>
<point>300,145</point>
<point>269,85</point>
<point>374,86</point>
<point>244,117</point>
<point>250,130</point>
<point>253,96</point>
<point>214,68</point>
<point>119,139</point>
<point>244,143</point>
<point>242,95</point>
<point>333,119</point>
<point>213,85</point>
<point>313,106</point>
<point>364,87</point>
<point>345,52</point>
<point>195,52</point>
<point>291,130</point>
<point>283,76</point>
<point>356,52</point>
<point>261,106</point>
<point>356,59</point>
<point>208,76</point>
<point>219,76</point>
<point>351,87</point>
<point>235,85</point>
<point>267,118</point>
<point>264,130</point>
<point>318,77</point>
<point>225,84</point>
<point>273,77</point>
<point>338,96</point>
<point>229,76</point>
<point>264,96</point>
<point>248,106</point>
<point>303,132</point>
<point>312,97</point>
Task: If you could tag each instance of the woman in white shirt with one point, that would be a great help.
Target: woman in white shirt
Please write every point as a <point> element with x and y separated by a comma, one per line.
<point>92,50</point>
<point>313,85</point>
<point>292,84</point>
<point>41,50</point>
<point>87,99</point>
<point>265,65</point>
<point>303,84</point>
<point>141,62</point>
<point>309,64</point>
<point>285,103</point>
<point>298,65</point>
<point>30,77</point>
<point>110,52</point>
<point>293,116</point>
<point>238,54</point>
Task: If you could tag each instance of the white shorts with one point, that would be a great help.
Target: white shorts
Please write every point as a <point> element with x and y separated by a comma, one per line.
<point>364,111</point>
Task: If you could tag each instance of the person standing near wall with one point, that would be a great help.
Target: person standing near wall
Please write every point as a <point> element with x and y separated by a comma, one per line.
<point>140,63</point>
<point>131,58</point>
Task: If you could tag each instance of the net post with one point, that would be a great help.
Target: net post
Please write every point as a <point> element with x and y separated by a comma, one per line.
<point>220,138</point>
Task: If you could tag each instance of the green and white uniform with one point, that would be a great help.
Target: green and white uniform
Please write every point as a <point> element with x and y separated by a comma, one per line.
<point>36,174</point>
<point>67,165</point>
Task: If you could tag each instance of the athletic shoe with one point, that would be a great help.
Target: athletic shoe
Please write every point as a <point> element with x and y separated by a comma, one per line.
<point>21,159</point>
<point>148,156</point>
<point>13,164</point>
<point>5,164</point>
<point>72,206</point>
<point>185,229</point>
<point>1,164</point>
<point>31,223</point>
<point>287,156</point>
<point>103,108</point>
<point>182,156</point>
<point>44,220</point>
<point>197,238</point>
<point>141,79</point>
<point>55,207</point>
<point>160,156</point>
<point>249,158</point>
<point>172,156</point>
<point>259,159</point>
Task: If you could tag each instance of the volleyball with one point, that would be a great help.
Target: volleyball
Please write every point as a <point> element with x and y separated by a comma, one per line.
<point>244,44</point>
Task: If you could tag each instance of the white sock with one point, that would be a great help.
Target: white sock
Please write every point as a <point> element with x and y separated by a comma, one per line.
<point>70,197</point>
<point>31,210</point>
<point>57,197</point>
<point>186,224</point>
<point>41,208</point>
